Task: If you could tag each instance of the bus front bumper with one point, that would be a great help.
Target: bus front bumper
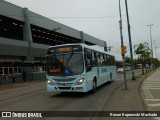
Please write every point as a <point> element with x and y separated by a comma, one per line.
<point>78,88</point>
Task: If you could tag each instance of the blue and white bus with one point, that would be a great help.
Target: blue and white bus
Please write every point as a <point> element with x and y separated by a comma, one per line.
<point>78,68</point>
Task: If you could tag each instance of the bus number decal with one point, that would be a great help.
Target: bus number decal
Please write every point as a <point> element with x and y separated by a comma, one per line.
<point>54,70</point>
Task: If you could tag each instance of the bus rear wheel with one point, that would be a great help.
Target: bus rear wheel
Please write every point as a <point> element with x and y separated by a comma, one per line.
<point>110,80</point>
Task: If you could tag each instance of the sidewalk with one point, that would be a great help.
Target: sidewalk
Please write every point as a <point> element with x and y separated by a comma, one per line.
<point>131,99</point>
<point>150,92</point>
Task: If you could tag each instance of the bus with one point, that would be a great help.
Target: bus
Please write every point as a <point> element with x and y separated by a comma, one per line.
<point>78,68</point>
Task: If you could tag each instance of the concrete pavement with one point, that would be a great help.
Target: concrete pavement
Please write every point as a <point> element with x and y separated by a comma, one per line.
<point>14,90</point>
<point>150,92</point>
<point>143,94</point>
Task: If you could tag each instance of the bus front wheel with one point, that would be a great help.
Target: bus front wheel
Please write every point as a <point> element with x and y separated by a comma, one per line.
<point>94,86</point>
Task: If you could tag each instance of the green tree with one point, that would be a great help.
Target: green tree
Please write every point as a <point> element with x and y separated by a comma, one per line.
<point>156,62</point>
<point>140,48</point>
<point>127,60</point>
<point>143,54</point>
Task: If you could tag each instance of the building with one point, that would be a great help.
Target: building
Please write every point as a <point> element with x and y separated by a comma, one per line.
<point>25,37</point>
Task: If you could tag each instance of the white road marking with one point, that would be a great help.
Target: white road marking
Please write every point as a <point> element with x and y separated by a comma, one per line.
<point>152,99</point>
<point>154,105</point>
<point>148,94</point>
<point>156,118</point>
<point>146,88</point>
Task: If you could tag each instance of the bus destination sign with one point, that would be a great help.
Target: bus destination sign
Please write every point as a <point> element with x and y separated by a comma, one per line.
<point>64,49</point>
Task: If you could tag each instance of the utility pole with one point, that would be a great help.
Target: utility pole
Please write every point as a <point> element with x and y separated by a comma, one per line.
<point>130,42</point>
<point>123,55</point>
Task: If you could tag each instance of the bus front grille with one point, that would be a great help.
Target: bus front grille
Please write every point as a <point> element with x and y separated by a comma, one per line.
<point>64,88</point>
<point>65,80</point>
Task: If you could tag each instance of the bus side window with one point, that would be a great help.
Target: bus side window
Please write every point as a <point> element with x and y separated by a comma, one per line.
<point>94,60</point>
<point>89,55</point>
<point>98,59</point>
<point>112,60</point>
<point>105,59</point>
<point>102,60</point>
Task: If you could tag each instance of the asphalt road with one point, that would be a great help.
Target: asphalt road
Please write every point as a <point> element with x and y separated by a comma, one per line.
<point>33,97</point>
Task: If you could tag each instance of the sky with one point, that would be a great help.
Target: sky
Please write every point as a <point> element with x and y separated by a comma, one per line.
<point>100,19</point>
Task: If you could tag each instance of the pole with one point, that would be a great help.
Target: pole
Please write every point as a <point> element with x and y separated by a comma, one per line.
<point>123,57</point>
<point>155,48</point>
<point>150,26</point>
<point>130,42</point>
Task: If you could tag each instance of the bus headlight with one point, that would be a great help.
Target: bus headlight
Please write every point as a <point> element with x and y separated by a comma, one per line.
<point>50,82</point>
<point>80,81</point>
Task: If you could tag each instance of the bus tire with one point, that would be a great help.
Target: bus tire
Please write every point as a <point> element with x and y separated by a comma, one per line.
<point>110,79</point>
<point>94,86</point>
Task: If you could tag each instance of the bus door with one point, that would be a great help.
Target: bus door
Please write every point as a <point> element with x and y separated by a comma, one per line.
<point>89,73</point>
<point>98,74</point>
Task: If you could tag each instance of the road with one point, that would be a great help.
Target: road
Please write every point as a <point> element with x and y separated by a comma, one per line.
<point>33,97</point>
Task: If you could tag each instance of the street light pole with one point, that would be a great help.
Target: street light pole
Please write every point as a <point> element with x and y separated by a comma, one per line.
<point>150,26</point>
<point>123,56</point>
<point>54,30</point>
<point>130,41</point>
<point>155,48</point>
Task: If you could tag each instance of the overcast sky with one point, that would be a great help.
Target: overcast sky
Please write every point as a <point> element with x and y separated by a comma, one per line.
<point>99,18</point>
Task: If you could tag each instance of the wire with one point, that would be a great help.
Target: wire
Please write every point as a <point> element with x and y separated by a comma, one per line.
<point>92,17</point>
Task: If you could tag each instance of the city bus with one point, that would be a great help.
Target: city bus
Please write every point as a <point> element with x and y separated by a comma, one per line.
<point>78,68</point>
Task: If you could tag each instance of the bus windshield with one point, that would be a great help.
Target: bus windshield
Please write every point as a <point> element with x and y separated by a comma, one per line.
<point>65,64</point>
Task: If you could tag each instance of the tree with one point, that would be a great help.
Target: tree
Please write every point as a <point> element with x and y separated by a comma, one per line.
<point>156,62</point>
<point>127,60</point>
<point>140,48</point>
<point>143,54</point>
